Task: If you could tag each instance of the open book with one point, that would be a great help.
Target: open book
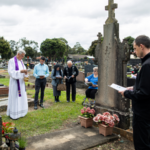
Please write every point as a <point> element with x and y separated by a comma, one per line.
<point>89,84</point>
<point>117,87</point>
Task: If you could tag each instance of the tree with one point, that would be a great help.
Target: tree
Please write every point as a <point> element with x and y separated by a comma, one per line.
<point>91,50</point>
<point>54,48</point>
<point>78,49</point>
<point>130,42</point>
<point>5,49</point>
<point>26,44</point>
<point>30,52</point>
<point>14,46</point>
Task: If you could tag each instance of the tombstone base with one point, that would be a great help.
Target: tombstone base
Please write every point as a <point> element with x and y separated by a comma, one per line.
<point>4,91</point>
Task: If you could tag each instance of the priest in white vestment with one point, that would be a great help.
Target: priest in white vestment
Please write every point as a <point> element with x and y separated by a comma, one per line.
<point>17,100</point>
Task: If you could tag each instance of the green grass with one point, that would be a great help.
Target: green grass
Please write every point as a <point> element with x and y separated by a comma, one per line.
<point>5,81</point>
<point>49,119</point>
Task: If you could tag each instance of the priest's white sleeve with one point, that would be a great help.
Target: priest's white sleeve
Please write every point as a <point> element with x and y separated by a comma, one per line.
<point>12,72</point>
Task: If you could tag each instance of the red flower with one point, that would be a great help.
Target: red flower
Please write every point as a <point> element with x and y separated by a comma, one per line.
<point>2,131</point>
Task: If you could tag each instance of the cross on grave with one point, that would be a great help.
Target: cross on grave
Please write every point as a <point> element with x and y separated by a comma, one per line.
<point>111,11</point>
<point>99,37</point>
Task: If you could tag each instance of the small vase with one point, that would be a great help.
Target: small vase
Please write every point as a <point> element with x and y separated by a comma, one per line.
<point>105,130</point>
<point>86,122</point>
<point>7,142</point>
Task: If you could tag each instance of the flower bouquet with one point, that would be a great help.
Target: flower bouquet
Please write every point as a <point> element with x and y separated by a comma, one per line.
<point>86,118</point>
<point>106,122</point>
<point>7,127</point>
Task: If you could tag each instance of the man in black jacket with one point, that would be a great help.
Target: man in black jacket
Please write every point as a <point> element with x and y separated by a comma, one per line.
<point>70,73</point>
<point>140,95</point>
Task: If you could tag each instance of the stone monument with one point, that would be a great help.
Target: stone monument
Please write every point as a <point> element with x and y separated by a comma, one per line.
<point>112,56</point>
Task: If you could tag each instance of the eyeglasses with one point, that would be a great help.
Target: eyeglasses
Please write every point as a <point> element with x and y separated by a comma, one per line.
<point>94,71</point>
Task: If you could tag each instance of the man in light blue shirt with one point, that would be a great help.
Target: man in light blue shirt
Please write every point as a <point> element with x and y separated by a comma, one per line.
<point>41,72</point>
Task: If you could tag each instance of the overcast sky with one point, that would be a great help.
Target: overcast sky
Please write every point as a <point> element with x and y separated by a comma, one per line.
<point>74,20</point>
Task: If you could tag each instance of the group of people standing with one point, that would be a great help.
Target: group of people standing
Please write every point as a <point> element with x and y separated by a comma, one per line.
<point>17,102</point>
<point>69,74</point>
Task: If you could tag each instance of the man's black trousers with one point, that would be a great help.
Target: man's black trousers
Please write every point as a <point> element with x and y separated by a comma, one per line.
<point>141,133</point>
<point>73,91</point>
<point>39,84</point>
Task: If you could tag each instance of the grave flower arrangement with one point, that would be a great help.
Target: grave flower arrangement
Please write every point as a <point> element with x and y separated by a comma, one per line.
<point>7,127</point>
<point>87,112</point>
<point>107,119</point>
<point>86,118</point>
<point>106,122</point>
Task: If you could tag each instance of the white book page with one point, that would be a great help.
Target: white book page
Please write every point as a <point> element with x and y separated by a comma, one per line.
<point>117,87</point>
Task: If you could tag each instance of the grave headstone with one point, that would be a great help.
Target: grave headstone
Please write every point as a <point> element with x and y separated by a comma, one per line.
<point>112,57</point>
<point>89,68</point>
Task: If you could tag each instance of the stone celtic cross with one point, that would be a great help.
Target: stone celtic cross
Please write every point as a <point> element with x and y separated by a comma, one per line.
<point>99,37</point>
<point>111,9</point>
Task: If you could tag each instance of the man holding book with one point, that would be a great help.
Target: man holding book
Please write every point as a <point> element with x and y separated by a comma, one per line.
<point>140,95</point>
<point>41,72</point>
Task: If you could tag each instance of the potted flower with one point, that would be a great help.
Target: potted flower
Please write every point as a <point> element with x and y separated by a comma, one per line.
<point>86,119</point>
<point>22,143</point>
<point>106,122</point>
<point>7,127</point>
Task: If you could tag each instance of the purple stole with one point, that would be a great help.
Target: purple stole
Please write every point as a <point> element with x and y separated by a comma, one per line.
<point>17,68</point>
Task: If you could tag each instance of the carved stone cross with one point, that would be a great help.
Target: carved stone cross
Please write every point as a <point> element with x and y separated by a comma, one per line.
<point>99,37</point>
<point>111,9</point>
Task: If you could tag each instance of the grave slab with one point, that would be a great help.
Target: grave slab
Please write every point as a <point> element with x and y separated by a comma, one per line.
<point>4,91</point>
<point>4,101</point>
<point>77,138</point>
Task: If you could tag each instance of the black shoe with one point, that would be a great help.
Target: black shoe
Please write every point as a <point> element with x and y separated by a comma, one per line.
<point>58,99</point>
<point>68,101</point>
<point>35,107</point>
<point>41,105</point>
<point>55,99</point>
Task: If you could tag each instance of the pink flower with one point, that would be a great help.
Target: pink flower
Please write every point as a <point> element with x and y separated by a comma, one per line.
<point>93,111</point>
<point>82,111</point>
<point>95,119</point>
<point>88,109</point>
<point>106,114</point>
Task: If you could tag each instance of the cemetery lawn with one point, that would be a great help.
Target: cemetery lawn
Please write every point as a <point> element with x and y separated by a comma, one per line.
<point>5,81</point>
<point>49,119</point>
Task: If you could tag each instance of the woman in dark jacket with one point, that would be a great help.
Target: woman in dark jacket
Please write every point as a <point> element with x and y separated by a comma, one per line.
<point>57,77</point>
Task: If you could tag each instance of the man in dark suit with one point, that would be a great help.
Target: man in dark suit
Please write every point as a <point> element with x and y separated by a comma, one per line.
<point>70,73</point>
<point>140,95</point>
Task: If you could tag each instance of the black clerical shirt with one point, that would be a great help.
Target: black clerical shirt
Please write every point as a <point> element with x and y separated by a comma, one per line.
<point>141,92</point>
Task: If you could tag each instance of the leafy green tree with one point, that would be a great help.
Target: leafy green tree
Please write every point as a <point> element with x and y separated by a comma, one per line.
<point>26,45</point>
<point>91,50</point>
<point>130,40</point>
<point>30,52</point>
<point>5,49</point>
<point>78,49</point>
<point>14,46</point>
<point>53,48</point>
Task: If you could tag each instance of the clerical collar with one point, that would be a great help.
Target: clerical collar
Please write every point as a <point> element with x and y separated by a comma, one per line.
<point>145,58</point>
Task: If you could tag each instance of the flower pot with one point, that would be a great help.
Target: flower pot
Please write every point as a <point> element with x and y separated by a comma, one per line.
<point>105,130</point>
<point>86,122</point>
